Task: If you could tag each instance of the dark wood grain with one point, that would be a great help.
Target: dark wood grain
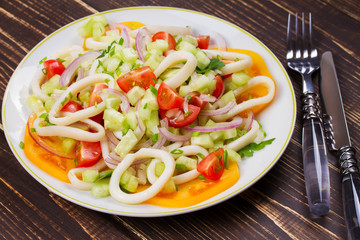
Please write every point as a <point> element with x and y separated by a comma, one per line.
<point>274,208</point>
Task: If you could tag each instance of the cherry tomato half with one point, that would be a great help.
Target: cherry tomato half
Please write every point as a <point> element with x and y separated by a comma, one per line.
<point>177,118</point>
<point>87,153</point>
<point>142,77</point>
<point>94,97</point>
<point>219,86</point>
<point>71,106</point>
<point>212,166</point>
<point>53,67</point>
<point>167,37</point>
<point>203,41</point>
<point>167,98</point>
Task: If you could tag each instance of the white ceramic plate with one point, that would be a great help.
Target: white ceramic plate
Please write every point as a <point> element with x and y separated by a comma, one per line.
<point>277,120</point>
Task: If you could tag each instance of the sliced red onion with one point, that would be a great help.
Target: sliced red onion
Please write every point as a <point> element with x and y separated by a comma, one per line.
<point>219,111</point>
<point>160,142</point>
<point>114,26</point>
<point>251,121</point>
<point>111,137</point>
<point>217,127</point>
<point>146,144</point>
<point>81,73</point>
<point>174,137</point>
<point>220,42</point>
<point>207,98</point>
<point>139,121</point>
<point>143,37</point>
<point>125,104</point>
<point>125,36</point>
<point>69,72</point>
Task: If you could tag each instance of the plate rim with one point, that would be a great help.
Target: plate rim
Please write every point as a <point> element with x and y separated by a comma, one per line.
<point>168,211</point>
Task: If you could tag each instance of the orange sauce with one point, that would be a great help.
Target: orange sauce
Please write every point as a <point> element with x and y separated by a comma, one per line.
<point>188,194</point>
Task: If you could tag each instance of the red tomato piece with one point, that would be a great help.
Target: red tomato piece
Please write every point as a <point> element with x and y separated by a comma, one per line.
<point>219,86</point>
<point>53,67</point>
<point>203,41</point>
<point>94,97</point>
<point>142,77</point>
<point>177,118</point>
<point>196,100</point>
<point>167,98</point>
<point>167,37</point>
<point>87,153</point>
<point>212,166</point>
<point>71,106</point>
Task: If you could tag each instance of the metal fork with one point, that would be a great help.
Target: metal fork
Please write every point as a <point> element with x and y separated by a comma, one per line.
<point>302,57</point>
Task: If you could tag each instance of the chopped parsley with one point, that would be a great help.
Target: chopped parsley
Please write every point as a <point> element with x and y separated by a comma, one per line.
<point>249,150</point>
<point>214,64</point>
<point>155,137</point>
<point>43,60</point>
<point>153,90</point>
<point>21,145</point>
<point>177,151</point>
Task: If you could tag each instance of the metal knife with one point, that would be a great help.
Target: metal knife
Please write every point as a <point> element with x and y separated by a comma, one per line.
<point>338,141</point>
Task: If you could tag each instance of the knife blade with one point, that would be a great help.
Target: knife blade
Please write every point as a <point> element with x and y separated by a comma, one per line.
<point>338,140</point>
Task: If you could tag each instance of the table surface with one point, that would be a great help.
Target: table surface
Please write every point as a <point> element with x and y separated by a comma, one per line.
<point>274,208</point>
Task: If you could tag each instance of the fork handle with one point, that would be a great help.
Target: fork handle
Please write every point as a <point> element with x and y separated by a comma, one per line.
<point>315,161</point>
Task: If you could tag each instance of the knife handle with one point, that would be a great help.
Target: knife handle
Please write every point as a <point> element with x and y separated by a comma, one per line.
<point>351,190</point>
<point>315,160</point>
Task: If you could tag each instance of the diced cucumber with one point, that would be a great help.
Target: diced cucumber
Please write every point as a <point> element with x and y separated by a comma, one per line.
<point>186,46</point>
<point>169,73</point>
<point>131,118</point>
<point>152,122</point>
<point>230,133</point>
<point>95,26</point>
<point>240,78</point>
<point>170,187</point>
<point>153,59</point>
<point>201,83</point>
<point>216,136</point>
<point>101,188</point>
<point>128,181</point>
<point>150,100</point>
<point>113,120</point>
<point>111,64</point>
<point>126,144</point>
<point>135,94</point>
<point>84,95</point>
<point>189,163</point>
<point>185,89</point>
<point>90,175</point>
<point>159,168</point>
<point>112,102</point>
<point>202,59</point>
<point>98,29</point>
<point>190,39</point>
<point>218,144</point>
<point>226,98</point>
<point>203,140</point>
<point>49,103</point>
<point>144,112</point>
<point>49,86</point>
<point>128,55</point>
<point>35,104</point>
<point>69,144</point>
<point>159,44</point>
<point>233,155</point>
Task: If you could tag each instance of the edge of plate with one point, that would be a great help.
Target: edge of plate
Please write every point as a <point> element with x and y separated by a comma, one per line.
<point>164,213</point>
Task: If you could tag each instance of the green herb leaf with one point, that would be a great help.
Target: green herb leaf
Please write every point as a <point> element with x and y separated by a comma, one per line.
<point>201,155</point>
<point>121,41</point>
<point>155,137</point>
<point>177,151</point>
<point>153,90</point>
<point>76,161</point>
<point>202,177</point>
<point>226,160</point>
<point>104,174</point>
<point>21,145</point>
<point>214,64</point>
<point>43,60</point>
<point>181,167</point>
<point>32,129</point>
<point>248,151</point>
<point>60,60</point>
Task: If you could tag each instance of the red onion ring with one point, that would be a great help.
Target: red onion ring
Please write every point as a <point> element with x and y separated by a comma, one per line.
<point>125,36</point>
<point>219,111</point>
<point>69,72</point>
<point>142,38</point>
<point>218,126</point>
<point>207,98</point>
<point>251,121</point>
<point>111,137</point>
<point>173,137</point>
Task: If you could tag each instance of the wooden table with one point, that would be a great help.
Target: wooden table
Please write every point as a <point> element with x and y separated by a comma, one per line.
<point>274,208</point>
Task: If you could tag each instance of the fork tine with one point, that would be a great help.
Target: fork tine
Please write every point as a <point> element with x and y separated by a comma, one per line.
<point>313,50</point>
<point>297,39</point>
<point>289,49</point>
<point>305,40</point>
